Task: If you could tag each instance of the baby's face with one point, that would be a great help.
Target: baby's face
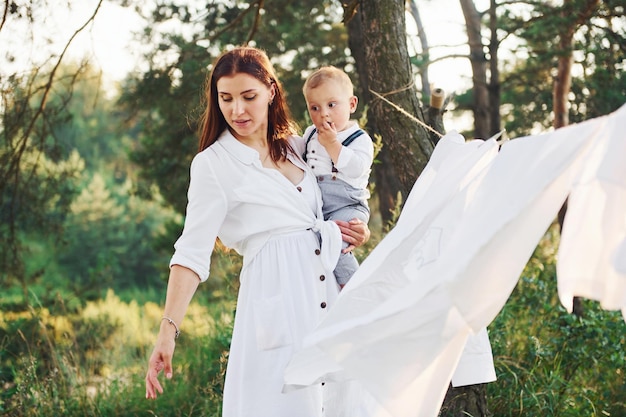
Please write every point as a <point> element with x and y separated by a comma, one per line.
<point>330,102</point>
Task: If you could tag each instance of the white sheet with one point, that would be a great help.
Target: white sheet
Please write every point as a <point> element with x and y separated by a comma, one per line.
<point>444,272</point>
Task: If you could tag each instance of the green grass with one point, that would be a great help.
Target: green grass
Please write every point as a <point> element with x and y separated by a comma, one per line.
<point>550,362</point>
<point>93,362</point>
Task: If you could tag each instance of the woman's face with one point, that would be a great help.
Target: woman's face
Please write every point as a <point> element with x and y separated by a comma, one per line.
<point>244,102</point>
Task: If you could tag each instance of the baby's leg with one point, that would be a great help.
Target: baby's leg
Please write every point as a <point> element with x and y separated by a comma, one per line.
<point>347,264</point>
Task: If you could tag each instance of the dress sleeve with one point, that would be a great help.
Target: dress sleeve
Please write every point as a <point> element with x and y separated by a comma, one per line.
<point>206,210</point>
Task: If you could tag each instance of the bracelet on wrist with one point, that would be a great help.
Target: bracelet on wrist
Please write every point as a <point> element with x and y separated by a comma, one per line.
<point>173,324</point>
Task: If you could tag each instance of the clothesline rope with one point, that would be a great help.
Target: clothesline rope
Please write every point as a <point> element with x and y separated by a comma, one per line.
<point>497,136</point>
<point>410,116</point>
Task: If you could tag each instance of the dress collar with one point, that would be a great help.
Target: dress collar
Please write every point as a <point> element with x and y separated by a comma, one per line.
<point>242,152</point>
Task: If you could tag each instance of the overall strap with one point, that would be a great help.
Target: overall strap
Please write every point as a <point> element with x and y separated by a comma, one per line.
<point>306,145</point>
<point>351,138</point>
<point>346,141</point>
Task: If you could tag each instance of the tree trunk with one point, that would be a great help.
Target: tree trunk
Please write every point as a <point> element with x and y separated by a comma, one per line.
<point>563,80</point>
<point>385,178</point>
<point>384,65</point>
<point>465,401</point>
<point>479,70</point>
<point>494,72</point>
<point>421,34</point>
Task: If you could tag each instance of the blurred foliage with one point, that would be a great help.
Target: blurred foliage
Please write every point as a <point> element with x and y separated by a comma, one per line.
<point>37,180</point>
<point>109,239</point>
<point>598,81</point>
<point>528,37</point>
<point>72,220</point>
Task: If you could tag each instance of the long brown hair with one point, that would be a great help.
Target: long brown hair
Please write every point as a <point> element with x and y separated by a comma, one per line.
<point>254,62</point>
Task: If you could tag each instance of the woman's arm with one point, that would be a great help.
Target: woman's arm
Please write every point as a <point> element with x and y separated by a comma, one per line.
<point>181,287</point>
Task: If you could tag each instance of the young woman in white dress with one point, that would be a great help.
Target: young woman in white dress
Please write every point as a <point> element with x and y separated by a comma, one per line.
<point>250,188</point>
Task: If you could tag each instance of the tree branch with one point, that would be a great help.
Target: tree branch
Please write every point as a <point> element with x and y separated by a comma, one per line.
<point>48,86</point>
<point>5,13</point>
<point>14,168</point>
<point>255,22</point>
<point>235,21</point>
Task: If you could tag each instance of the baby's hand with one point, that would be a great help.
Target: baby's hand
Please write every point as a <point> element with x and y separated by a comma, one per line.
<point>327,134</point>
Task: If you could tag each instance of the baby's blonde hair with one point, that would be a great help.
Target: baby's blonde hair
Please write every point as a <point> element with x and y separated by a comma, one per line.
<point>328,73</point>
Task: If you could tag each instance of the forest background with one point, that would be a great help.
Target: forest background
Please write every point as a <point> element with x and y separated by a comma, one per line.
<point>93,183</point>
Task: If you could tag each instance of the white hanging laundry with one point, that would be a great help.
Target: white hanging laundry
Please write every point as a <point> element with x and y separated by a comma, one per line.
<point>592,252</point>
<point>444,272</point>
<point>430,214</point>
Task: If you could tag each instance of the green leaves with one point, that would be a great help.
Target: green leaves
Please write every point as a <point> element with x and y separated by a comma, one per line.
<point>598,85</point>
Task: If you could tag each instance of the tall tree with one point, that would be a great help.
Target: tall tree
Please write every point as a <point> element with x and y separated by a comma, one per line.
<point>378,39</point>
<point>478,61</point>
<point>423,61</point>
<point>572,15</point>
<point>494,71</point>
<point>387,183</point>
<point>386,69</point>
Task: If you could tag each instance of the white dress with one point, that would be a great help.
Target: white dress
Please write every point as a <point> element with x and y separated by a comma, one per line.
<point>287,285</point>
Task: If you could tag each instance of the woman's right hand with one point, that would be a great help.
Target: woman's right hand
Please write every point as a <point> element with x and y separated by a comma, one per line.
<point>160,360</point>
<point>355,233</point>
<point>181,286</point>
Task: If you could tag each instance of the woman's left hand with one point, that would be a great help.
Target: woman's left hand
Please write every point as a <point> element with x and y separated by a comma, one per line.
<point>355,233</point>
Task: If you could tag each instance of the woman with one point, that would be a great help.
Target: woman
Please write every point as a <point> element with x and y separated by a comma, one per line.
<point>250,188</point>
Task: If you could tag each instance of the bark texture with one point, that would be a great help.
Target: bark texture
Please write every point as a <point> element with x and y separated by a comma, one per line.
<point>494,72</point>
<point>465,401</point>
<point>385,178</point>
